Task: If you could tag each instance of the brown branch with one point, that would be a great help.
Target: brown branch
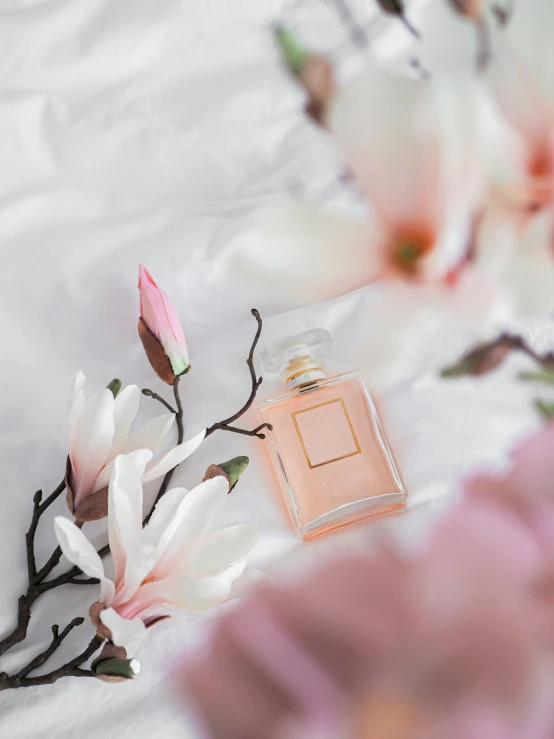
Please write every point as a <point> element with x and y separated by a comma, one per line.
<point>70,669</point>
<point>28,598</point>
<point>485,358</point>
<point>155,396</point>
<point>43,657</point>
<point>256,382</point>
<point>180,437</point>
<point>244,432</point>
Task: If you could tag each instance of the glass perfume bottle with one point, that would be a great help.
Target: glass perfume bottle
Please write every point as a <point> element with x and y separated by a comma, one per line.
<point>329,450</point>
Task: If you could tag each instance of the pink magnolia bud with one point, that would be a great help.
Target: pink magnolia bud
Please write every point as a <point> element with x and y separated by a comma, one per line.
<point>160,331</point>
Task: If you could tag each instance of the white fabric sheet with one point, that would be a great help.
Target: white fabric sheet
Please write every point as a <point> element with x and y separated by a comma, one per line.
<point>149,131</point>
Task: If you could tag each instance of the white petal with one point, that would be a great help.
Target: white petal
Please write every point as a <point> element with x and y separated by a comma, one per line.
<point>139,564</point>
<point>174,457</point>
<point>140,459</point>
<point>164,515</point>
<point>124,511</point>
<point>125,633</point>
<point>193,517</point>
<point>93,440</point>
<point>222,549</point>
<point>152,435</point>
<point>78,549</point>
<point>301,254</point>
<point>186,593</point>
<point>413,148</point>
<point>125,409</point>
<point>76,402</point>
<point>517,94</point>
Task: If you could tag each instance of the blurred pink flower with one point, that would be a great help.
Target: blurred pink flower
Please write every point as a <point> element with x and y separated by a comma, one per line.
<point>173,563</point>
<point>526,489</point>
<point>451,635</point>
<point>160,330</point>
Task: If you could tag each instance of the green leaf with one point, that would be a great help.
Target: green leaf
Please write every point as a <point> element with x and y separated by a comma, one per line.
<point>294,53</point>
<point>123,668</point>
<point>546,376</point>
<point>115,386</point>
<point>545,408</point>
<point>234,468</point>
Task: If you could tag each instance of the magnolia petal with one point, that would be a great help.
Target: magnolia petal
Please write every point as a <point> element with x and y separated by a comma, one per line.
<point>151,435</point>
<point>382,125</point>
<point>518,97</point>
<point>139,458</point>
<point>206,592</point>
<point>124,512</point>
<point>222,549</point>
<point>301,254</point>
<point>125,633</point>
<point>194,516</point>
<point>164,516</point>
<point>76,402</point>
<point>160,317</point>
<point>414,150</point>
<point>183,592</point>
<point>125,409</point>
<point>139,564</point>
<point>78,550</point>
<point>174,457</point>
<point>93,439</point>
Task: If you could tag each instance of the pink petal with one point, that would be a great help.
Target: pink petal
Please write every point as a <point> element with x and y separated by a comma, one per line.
<point>159,315</point>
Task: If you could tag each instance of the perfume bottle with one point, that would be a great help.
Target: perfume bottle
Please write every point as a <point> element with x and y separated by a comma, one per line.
<point>328,448</point>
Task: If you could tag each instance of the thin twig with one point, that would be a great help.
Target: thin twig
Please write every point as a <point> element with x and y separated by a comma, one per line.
<point>28,598</point>
<point>71,669</point>
<point>43,657</point>
<point>180,437</point>
<point>244,432</point>
<point>356,32</point>
<point>256,382</point>
<point>53,560</point>
<point>155,396</point>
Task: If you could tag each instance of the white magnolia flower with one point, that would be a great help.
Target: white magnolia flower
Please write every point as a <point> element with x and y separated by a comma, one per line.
<point>413,150</point>
<point>98,430</point>
<point>171,564</point>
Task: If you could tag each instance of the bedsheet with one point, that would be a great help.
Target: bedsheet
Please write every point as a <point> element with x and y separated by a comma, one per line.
<point>150,131</point>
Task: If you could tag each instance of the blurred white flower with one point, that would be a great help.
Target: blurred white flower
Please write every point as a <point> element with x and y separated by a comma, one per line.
<point>413,151</point>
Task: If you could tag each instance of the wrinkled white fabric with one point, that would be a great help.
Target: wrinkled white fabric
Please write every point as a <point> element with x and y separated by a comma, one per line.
<point>134,131</point>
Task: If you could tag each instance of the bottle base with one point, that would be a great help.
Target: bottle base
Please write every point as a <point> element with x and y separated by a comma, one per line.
<point>351,514</point>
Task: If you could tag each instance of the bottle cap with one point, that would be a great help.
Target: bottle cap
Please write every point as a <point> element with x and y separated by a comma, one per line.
<point>298,359</point>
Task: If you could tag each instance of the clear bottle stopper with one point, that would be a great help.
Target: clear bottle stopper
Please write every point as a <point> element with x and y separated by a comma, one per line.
<point>298,359</point>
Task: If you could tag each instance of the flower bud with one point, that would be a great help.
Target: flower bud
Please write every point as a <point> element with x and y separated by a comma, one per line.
<point>230,470</point>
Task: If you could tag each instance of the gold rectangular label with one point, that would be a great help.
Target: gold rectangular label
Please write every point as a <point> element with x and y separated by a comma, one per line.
<point>326,433</point>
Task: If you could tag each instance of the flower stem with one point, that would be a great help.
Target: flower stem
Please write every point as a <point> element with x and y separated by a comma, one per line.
<point>180,437</point>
